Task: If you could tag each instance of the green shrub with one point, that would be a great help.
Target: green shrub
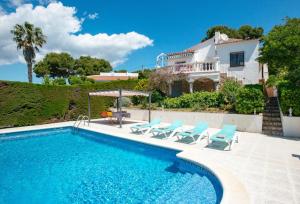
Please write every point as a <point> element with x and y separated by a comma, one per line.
<point>89,81</point>
<point>142,85</point>
<point>47,80</point>
<point>249,99</point>
<point>59,81</point>
<point>157,96</point>
<point>289,97</point>
<point>136,100</point>
<point>200,100</point>
<point>229,89</point>
<point>272,81</point>
<point>76,80</point>
<point>171,103</point>
<point>255,86</point>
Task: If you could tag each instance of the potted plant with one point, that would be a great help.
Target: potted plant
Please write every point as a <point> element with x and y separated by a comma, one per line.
<point>271,86</point>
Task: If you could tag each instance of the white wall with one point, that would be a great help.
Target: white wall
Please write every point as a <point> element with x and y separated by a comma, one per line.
<point>248,123</point>
<point>251,49</point>
<point>205,51</point>
<point>291,126</point>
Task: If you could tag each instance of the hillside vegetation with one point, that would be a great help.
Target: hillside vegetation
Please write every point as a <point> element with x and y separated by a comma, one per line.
<point>24,104</point>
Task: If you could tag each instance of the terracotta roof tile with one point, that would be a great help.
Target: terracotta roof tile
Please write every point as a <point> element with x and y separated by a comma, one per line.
<point>231,40</point>
<point>109,78</point>
<point>179,53</point>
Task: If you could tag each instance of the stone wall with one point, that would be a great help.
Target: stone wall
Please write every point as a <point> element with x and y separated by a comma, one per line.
<point>291,126</point>
<point>247,123</point>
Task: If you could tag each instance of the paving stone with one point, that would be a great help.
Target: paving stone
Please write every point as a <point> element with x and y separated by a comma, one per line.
<point>278,195</point>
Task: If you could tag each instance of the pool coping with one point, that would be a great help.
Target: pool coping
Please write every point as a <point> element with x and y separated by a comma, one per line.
<point>233,190</point>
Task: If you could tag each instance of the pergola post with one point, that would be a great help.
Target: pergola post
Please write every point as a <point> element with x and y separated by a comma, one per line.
<point>117,104</point>
<point>120,107</point>
<point>169,87</point>
<point>149,107</point>
<point>89,107</point>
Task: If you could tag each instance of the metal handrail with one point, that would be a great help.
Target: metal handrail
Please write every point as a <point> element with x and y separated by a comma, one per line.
<point>85,119</point>
<point>79,120</point>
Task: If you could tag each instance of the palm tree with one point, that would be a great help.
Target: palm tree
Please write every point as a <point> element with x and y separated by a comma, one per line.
<point>29,39</point>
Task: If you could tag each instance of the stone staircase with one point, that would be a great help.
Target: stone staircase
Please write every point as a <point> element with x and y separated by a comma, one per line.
<point>271,118</point>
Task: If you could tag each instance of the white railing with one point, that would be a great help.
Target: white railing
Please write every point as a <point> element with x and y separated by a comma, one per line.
<point>207,67</point>
<point>193,67</point>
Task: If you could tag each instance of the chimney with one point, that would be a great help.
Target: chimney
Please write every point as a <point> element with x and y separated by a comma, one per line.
<point>217,37</point>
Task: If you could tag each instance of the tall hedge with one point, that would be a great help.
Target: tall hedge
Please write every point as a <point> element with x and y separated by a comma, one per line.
<point>29,104</point>
<point>289,97</point>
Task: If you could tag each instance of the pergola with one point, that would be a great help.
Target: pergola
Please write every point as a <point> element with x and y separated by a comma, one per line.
<point>119,93</point>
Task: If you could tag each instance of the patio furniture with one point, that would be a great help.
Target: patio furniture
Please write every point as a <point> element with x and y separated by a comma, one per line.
<point>171,129</point>
<point>108,115</point>
<point>119,115</point>
<point>225,135</point>
<point>145,128</point>
<point>199,130</point>
<point>104,114</point>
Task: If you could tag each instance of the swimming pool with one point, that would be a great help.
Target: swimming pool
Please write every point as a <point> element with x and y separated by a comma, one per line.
<point>66,166</point>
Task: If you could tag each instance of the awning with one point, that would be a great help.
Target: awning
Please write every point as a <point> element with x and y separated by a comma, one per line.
<point>118,94</point>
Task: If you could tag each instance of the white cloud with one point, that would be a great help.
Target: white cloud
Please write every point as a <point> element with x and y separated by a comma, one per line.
<point>93,16</point>
<point>2,11</point>
<point>62,28</point>
<point>46,2</point>
<point>16,2</point>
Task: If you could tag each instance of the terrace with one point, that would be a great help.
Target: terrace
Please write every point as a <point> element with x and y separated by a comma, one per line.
<point>259,169</point>
<point>203,67</point>
<point>182,62</point>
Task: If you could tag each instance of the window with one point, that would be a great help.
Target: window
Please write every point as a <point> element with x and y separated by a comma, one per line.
<point>237,59</point>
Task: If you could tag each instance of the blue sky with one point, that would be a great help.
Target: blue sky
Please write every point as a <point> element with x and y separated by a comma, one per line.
<point>172,25</point>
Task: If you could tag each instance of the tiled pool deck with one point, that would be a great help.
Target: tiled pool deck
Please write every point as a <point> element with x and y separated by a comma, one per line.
<point>267,168</point>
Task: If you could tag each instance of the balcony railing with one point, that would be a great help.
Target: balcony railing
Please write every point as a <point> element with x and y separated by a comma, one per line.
<point>193,67</point>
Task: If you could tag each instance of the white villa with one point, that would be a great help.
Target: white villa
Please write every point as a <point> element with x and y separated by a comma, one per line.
<point>208,63</point>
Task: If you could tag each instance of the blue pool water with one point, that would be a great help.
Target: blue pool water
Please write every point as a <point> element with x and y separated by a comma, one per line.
<point>63,166</point>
